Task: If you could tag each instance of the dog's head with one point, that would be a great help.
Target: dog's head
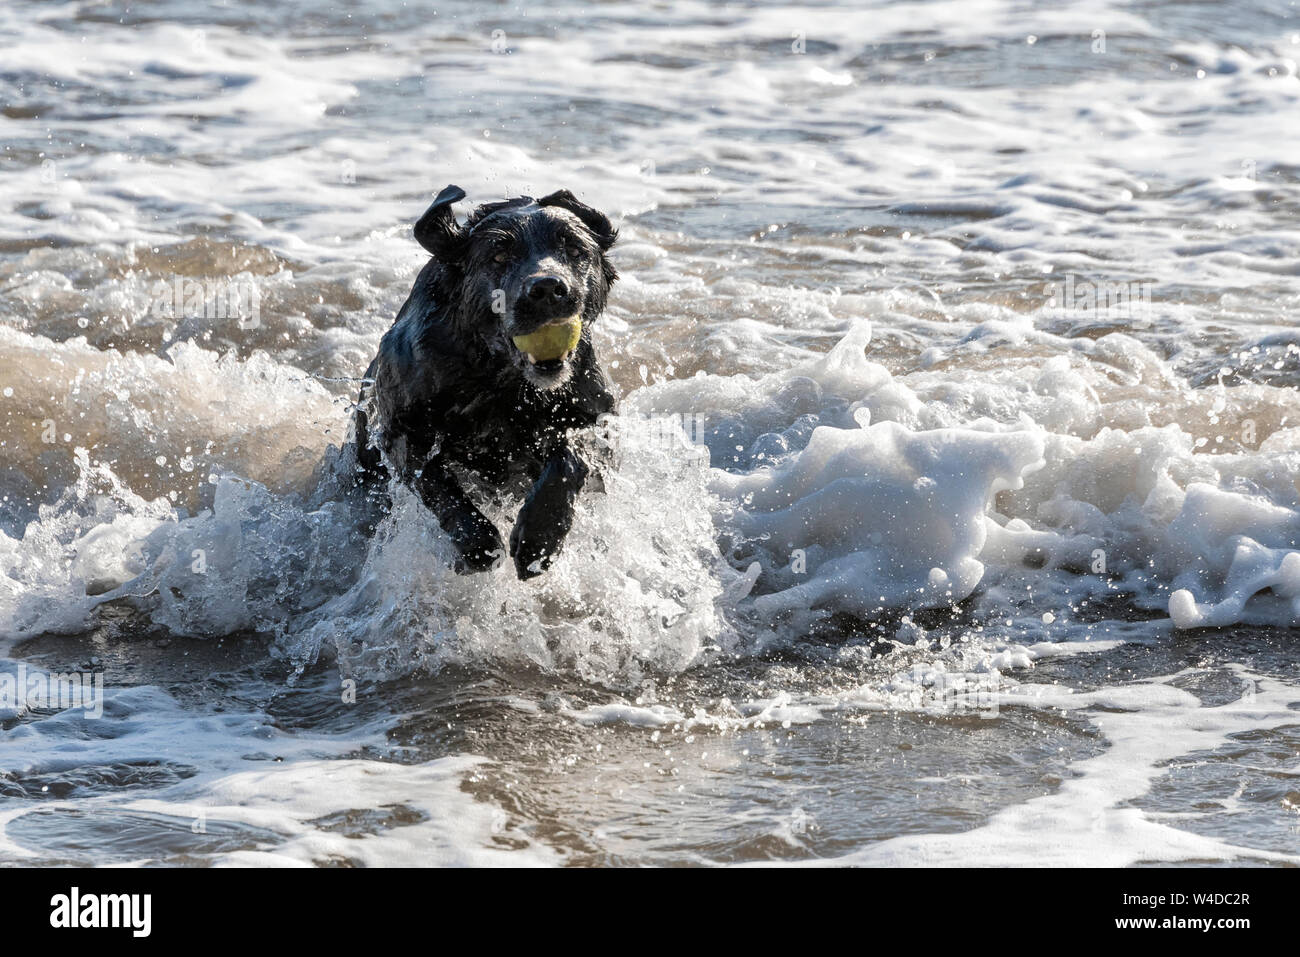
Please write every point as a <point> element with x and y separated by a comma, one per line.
<point>524,273</point>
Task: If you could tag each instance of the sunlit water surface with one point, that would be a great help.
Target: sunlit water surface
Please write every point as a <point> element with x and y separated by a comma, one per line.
<point>1029,594</point>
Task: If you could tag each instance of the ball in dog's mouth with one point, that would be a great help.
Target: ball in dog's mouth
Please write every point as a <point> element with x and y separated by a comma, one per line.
<point>547,347</point>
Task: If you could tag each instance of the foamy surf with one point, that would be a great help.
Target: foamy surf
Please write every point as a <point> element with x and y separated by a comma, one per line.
<point>958,482</point>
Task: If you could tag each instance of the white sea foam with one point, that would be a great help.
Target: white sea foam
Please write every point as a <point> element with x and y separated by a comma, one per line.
<point>876,511</point>
<point>233,787</point>
<point>844,244</point>
<point>1087,820</point>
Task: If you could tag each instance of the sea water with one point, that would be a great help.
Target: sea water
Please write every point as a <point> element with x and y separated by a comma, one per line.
<point>956,515</point>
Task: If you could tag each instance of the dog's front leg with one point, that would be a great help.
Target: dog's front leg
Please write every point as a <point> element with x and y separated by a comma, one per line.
<point>547,514</point>
<point>477,540</point>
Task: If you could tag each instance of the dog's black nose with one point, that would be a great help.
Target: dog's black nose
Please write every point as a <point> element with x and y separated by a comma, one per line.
<point>541,288</point>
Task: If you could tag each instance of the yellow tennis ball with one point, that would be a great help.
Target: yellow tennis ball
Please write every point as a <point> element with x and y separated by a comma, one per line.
<point>552,341</point>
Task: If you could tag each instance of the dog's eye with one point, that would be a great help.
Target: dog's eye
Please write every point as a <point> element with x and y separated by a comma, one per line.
<point>502,255</point>
<point>573,250</point>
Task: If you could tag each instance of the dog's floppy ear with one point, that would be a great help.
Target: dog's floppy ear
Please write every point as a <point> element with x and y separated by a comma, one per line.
<point>437,230</point>
<point>593,219</point>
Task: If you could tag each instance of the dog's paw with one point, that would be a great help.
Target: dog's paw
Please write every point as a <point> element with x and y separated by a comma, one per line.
<point>532,553</point>
<point>479,549</point>
<point>527,566</point>
<point>479,560</point>
<point>533,568</point>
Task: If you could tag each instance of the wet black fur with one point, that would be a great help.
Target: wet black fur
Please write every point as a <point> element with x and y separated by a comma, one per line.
<point>456,410</point>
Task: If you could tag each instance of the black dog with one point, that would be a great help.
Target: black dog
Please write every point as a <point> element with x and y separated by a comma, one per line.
<point>451,401</point>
